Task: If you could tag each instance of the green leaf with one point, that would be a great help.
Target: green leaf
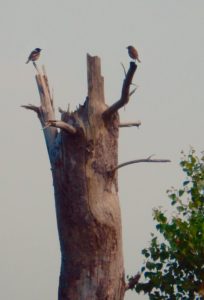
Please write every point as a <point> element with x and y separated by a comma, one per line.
<point>181,192</point>
<point>186,182</point>
<point>145,252</point>
<point>150,265</point>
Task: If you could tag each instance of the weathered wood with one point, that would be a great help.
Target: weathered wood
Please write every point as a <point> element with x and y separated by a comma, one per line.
<point>46,111</point>
<point>87,205</point>
<point>95,81</point>
<point>83,152</point>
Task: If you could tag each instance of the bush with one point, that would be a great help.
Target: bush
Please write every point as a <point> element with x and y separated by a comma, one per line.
<point>174,268</point>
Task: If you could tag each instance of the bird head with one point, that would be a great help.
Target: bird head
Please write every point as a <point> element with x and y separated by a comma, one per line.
<point>38,49</point>
<point>129,47</point>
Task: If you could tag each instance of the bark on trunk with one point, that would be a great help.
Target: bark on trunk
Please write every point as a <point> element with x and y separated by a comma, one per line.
<point>83,154</point>
<point>87,207</point>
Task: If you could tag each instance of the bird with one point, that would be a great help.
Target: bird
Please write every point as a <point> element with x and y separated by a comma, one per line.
<point>34,55</point>
<point>133,53</point>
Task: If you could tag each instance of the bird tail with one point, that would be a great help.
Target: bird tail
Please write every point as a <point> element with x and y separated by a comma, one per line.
<point>27,61</point>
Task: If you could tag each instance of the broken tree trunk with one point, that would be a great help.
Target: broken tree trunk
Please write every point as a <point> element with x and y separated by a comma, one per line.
<point>83,150</point>
<point>83,153</point>
<point>88,212</point>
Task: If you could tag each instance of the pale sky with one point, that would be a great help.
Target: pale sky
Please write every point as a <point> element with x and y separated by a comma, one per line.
<point>169,102</point>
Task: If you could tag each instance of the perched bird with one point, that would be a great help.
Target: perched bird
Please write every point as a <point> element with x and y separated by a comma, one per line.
<point>34,55</point>
<point>133,53</point>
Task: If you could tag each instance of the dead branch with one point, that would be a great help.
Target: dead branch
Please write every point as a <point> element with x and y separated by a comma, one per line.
<point>61,125</point>
<point>130,124</point>
<point>143,160</point>
<point>132,92</point>
<point>125,94</point>
<point>46,109</point>
<point>33,108</point>
<point>123,68</point>
<point>133,282</point>
<point>61,111</point>
<point>125,76</point>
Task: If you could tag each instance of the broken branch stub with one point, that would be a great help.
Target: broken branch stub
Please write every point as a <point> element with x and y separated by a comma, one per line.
<point>130,124</point>
<point>95,83</point>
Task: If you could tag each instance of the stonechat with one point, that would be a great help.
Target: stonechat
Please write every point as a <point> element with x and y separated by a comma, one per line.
<point>133,53</point>
<point>34,55</point>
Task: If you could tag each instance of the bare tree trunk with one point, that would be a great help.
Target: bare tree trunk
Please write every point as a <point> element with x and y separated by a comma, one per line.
<point>87,207</point>
<point>83,154</point>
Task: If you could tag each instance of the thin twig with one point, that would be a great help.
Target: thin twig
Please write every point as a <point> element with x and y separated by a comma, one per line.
<point>133,91</point>
<point>32,107</point>
<point>123,68</point>
<point>149,157</point>
<point>130,124</point>
<point>143,160</point>
<point>35,65</point>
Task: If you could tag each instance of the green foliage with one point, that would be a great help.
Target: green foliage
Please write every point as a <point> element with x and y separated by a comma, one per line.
<point>174,268</point>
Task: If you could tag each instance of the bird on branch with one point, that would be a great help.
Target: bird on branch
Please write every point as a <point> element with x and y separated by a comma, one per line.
<point>35,54</point>
<point>133,53</point>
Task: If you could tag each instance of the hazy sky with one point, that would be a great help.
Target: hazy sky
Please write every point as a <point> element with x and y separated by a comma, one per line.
<point>169,102</point>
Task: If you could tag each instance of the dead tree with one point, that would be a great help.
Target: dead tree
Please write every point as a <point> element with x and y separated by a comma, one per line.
<point>83,153</point>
